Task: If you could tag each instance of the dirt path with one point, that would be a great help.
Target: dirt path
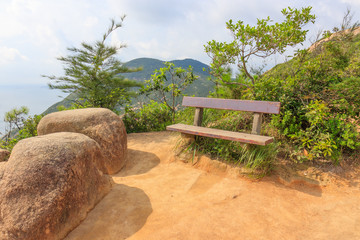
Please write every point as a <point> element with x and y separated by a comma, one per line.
<point>156,197</point>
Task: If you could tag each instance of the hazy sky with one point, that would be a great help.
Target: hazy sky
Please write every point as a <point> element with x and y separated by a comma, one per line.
<point>34,32</point>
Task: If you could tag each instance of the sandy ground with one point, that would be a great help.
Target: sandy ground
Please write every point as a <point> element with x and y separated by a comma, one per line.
<point>157,196</point>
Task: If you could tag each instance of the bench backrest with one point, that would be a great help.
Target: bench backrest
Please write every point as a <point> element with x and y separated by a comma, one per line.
<point>232,104</point>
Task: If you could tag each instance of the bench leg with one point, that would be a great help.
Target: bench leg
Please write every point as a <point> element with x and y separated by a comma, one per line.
<point>256,128</point>
<point>198,116</point>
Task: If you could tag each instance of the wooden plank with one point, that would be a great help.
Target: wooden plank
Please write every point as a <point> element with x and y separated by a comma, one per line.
<point>233,104</point>
<point>222,134</point>
<point>256,127</point>
<point>198,116</point>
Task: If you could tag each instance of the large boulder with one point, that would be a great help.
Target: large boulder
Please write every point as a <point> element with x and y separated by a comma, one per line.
<point>4,155</point>
<point>48,185</point>
<point>100,124</point>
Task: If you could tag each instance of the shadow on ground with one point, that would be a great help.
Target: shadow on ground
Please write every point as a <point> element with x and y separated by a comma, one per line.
<point>138,162</point>
<point>130,208</point>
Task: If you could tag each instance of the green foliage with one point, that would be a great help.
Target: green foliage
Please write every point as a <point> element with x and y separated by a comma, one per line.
<point>326,135</point>
<point>345,95</point>
<point>93,73</point>
<point>318,90</point>
<point>262,40</point>
<point>73,106</point>
<point>149,65</point>
<point>318,132</point>
<point>167,84</point>
<point>330,72</point>
<point>150,117</point>
<point>14,118</point>
<point>28,129</point>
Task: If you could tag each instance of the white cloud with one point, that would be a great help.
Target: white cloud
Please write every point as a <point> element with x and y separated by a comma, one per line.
<point>146,48</point>
<point>9,55</point>
<point>352,2</point>
<point>91,21</point>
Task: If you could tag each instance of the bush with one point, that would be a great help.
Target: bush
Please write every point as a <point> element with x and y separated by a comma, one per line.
<point>150,117</point>
<point>318,91</point>
<point>29,129</point>
<point>318,132</point>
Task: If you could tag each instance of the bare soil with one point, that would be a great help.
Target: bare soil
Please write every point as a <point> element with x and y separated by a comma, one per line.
<point>160,196</point>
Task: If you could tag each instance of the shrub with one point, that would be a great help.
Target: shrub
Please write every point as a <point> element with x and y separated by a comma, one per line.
<point>29,129</point>
<point>150,117</point>
<point>320,133</point>
<point>318,91</point>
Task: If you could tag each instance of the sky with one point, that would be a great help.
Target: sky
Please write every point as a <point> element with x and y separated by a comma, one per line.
<point>33,33</point>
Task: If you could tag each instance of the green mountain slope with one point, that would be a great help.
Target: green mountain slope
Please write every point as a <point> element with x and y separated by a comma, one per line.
<point>66,102</point>
<point>150,64</point>
<point>201,87</point>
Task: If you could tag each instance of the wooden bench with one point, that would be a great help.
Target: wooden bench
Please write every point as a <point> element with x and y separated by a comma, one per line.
<point>257,107</point>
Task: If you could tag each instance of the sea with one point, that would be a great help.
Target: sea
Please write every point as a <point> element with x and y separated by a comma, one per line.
<point>37,97</point>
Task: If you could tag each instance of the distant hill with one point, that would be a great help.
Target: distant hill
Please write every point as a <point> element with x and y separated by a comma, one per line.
<point>66,102</point>
<point>150,64</point>
<point>200,88</point>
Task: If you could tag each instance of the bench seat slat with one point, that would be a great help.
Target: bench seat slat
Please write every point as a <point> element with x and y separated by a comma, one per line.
<point>222,134</point>
<point>233,104</point>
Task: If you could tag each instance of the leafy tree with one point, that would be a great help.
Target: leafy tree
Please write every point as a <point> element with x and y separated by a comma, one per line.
<point>15,118</point>
<point>30,124</point>
<point>93,73</point>
<point>168,83</point>
<point>19,127</point>
<point>262,40</point>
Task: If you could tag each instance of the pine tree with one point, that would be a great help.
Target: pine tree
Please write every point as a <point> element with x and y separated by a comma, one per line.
<point>94,73</point>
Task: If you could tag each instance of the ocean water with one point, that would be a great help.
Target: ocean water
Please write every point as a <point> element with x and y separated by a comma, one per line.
<point>36,97</point>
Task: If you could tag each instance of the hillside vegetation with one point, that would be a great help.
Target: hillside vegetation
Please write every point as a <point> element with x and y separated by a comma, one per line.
<point>150,64</point>
<point>319,92</point>
<point>201,87</point>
